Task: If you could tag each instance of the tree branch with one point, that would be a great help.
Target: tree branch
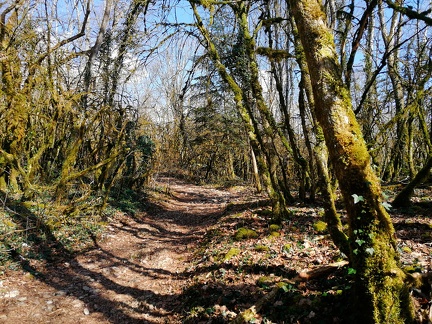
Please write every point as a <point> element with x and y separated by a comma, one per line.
<point>67,40</point>
<point>410,13</point>
<point>357,38</point>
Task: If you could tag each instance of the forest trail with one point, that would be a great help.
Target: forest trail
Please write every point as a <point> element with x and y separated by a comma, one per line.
<point>135,274</point>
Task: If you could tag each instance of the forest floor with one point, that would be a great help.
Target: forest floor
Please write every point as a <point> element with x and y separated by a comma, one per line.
<point>199,254</point>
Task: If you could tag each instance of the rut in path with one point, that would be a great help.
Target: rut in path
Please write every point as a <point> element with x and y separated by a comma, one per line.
<point>135,274</point>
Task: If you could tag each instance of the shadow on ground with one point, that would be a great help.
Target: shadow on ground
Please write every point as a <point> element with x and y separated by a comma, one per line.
<point>121,301</point>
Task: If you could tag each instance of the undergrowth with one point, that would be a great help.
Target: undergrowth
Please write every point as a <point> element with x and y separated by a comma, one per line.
<point>244,257</point>
<point>235,272</point>
<point>43,230</point>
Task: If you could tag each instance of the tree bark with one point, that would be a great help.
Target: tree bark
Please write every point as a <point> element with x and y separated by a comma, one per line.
<point>391,39</point>
<point>331,217</point>
<point>261,142</point>
<point>382,296</point>
<point>403,198</point>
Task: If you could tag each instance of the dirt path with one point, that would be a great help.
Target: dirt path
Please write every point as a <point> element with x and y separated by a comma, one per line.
<point>136,274</point>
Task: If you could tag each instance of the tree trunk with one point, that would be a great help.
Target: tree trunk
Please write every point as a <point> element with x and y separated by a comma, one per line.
<point>392,38</point>
<point>261,142</point>
<point>382,296</point>
<point>331,217</point>
<point>403,198</point>
<point>255,172</point>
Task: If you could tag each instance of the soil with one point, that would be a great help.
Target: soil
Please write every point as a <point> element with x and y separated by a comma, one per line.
<point>182,260</point>
<point>135,274</point>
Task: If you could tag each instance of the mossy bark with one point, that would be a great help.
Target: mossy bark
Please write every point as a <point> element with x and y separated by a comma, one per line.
<point>259,144</point>
<point>380,288</point>
<point>290,142</point>
<point>331,217</point>
<point>391,38</point>
<point>271,131</point>
<point>403,198</point>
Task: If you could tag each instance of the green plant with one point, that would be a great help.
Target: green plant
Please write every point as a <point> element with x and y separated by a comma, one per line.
<point>244,233</point>
<point>261,248</point>
<point>231,253</point>
<point>320,226</point>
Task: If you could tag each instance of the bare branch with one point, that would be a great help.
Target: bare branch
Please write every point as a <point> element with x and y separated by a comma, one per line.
<point>410,13</point>
<point>67,40</point>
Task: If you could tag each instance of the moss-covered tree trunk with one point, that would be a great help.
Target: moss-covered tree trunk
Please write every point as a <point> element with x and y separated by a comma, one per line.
<point>289,140</point>
<point>382,296</point>
<point>398,158</point>
<point>403,198</point>
<point>331,217</point>
<point>262,142</point>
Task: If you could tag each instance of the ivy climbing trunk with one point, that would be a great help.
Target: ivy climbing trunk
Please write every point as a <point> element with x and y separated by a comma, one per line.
<point>380,289</point>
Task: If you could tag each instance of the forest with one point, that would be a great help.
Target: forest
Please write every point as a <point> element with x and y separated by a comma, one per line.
<point>257,161</point>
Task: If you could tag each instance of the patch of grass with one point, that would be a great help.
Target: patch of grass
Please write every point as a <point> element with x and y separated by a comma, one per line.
<point>43,230</point>
<point>127,200</point>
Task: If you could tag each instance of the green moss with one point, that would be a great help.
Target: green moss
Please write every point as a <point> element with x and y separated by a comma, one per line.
<point>265,281</point>
<point>231,253</point>
<point>274,55</point>
<point>406,249</point>
<point>248,316</point>
<point>261,248</point>
<point>230,206</point>
<point>274,234</point>
<point>320,226</point>
<point>412,269</point>
<point>244,233</point>
<point>287,247</point>
<point>274,228</point>
<point>33,205</point>
<point>265,212</point>
<point>388,292</point>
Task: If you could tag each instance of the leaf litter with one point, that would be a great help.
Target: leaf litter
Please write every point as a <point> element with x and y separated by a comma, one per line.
<point>182,260</point>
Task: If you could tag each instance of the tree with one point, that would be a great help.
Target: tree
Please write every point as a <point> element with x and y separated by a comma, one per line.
<point>382,294</point>
<point>243,79</point>
<point>62,133</point>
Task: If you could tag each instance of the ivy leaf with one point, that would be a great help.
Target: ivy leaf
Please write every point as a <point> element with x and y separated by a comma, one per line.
<point>386,205</point>
<point>352,271</point>
<point>370,251</point>
<point>357,198</point>
<point>286,287</point>
<point>359,242</point>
